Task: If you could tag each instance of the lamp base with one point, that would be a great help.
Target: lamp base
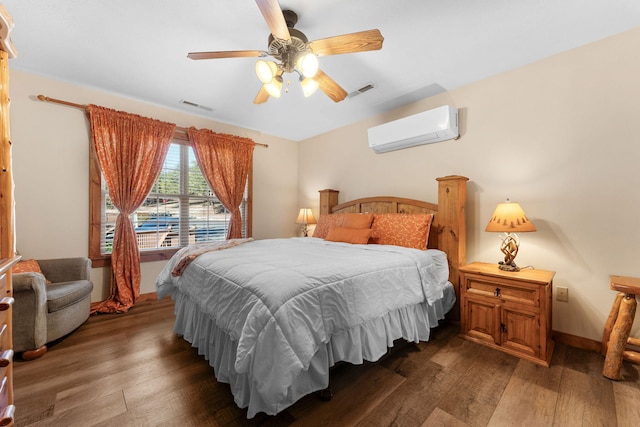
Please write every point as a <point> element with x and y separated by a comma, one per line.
<point>508,267</point>
<point>509,248</point>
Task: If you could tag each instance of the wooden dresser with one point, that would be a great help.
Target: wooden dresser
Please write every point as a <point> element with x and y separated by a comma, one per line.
<point>509,311</point>
<point>6,343</point>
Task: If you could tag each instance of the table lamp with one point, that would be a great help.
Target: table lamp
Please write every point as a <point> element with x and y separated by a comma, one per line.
<point>305,217</point>
<point>509,218</point>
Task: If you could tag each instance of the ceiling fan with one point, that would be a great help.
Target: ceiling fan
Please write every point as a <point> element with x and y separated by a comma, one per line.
<point>295,53</point>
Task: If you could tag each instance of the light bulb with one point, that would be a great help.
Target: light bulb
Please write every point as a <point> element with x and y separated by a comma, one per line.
<point>274,87</point>
<point>309,86</point>
<point>266,70</point>
<point>308,64</point>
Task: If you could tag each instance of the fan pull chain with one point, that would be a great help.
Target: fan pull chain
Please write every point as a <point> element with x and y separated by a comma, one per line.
<point>286,90</point>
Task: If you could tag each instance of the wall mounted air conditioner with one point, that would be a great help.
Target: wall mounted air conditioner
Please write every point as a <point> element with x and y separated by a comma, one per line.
<point>438,124</point>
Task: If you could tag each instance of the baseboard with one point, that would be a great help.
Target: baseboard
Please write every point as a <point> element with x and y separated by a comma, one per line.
<point>577,342</point>
<point>151,296</point>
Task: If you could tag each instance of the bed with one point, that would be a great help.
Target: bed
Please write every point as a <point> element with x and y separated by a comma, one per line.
<point>272,316</point>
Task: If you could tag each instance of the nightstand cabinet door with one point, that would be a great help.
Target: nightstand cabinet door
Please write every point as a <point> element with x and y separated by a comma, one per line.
<point>481,319</point>
<point>520,331</point>
<point>509,311</point>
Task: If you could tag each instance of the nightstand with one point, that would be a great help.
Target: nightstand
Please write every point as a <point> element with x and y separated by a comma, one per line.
<point>508,311</point>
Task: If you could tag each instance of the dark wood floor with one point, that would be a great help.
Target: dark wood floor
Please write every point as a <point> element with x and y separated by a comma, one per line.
<point>131,370</point>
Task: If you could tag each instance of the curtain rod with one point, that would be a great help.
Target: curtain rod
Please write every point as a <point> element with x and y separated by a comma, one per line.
<point>84,107</point>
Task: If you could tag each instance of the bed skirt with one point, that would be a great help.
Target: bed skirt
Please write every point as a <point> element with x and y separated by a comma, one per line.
<point>368,341</point>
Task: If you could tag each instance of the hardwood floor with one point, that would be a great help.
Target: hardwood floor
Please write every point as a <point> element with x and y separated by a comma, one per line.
<point>131,370</point>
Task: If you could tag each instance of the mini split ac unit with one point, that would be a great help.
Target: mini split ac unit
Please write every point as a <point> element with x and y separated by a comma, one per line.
<point>438,124</point>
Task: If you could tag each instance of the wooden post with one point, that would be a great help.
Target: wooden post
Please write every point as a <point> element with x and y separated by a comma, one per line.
<point>619,337</point>
<point>328,199</point>
<point>452,235</point>
<point>7,244</point>
<point>611,320</point>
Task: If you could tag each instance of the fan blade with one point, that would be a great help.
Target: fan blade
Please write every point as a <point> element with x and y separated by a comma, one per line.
<point>262,96</point>
<point>332,89</point>
<point>228,54</point>
<point>348,43</point>
<point>275,19</point>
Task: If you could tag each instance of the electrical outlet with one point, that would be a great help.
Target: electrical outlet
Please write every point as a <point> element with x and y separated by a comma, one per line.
<point>562,293</point>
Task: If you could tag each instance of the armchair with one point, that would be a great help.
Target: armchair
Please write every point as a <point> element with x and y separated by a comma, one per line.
<point>43,312</point>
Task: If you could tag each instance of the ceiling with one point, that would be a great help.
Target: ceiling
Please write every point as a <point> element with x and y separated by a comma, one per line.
<point>139,49</point>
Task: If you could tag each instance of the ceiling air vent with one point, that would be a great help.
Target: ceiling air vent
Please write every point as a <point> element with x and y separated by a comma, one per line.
<point>195,105</point>
<point>362,90</point>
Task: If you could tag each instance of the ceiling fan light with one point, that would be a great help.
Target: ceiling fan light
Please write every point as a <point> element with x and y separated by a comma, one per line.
<point>266,70</point>
<point>308,64</point>
<point>309,86</point>
<point>274,87</point>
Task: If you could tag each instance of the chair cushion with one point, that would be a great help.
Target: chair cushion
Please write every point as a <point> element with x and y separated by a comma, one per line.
<point>64,294</point>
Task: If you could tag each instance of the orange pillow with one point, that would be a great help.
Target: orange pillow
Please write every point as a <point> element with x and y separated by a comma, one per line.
<point>349,235</point>
<point>408,230</point>
<point>358,220</point>
<point>28,266</point>
<point>327,222</point>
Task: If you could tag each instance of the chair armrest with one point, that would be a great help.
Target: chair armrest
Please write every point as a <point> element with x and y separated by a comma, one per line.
<point>29,311</point>
<point>66,269</point>
<point>30,282</point>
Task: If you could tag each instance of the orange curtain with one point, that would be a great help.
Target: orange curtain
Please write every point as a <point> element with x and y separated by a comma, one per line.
<point>225,161</point>
<point>130,150</point>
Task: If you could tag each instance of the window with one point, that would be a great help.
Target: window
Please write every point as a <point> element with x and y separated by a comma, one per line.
<point>180,209</point>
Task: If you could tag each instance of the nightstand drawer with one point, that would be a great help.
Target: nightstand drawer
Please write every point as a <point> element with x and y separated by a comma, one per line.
<point>4,337</point>
<point>5,312</point>
<point>4,391</point>
<point>520,293</point>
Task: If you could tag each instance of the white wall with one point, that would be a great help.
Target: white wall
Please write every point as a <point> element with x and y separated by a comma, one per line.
<point>51,172</point>
<point>559,136</point>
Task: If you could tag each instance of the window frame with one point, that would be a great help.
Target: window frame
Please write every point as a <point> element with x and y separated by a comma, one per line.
<point>99,259</point>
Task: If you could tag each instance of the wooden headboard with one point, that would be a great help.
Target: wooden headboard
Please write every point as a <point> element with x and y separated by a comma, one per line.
<point>448,231</point>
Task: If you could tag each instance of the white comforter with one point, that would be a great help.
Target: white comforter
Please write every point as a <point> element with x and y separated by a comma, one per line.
<point>280,300</point>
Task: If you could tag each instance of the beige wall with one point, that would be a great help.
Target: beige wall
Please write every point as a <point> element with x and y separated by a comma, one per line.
<point>560,136</point>
<point>50,162</point>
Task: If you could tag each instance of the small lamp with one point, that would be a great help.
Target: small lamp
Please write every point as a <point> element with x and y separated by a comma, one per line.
<point>274,87</point>
<point>305,217</point>
<point>509,218</point>
<point>309,86</point>
<point>266,70</point>
<point>307,64</point>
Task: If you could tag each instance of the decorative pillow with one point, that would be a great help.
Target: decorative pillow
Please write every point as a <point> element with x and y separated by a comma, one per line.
<point>28,266</point>
<point>349,235</point>
<point>358,220</point>
<point>408,230</point>
<point>327,222</point>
